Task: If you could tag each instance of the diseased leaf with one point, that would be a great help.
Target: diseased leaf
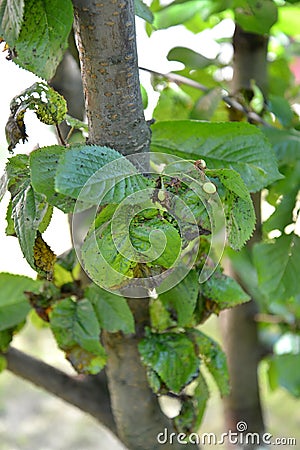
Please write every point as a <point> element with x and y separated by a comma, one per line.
<point>44,34</point>
<point>277,266</point>
<point>11,17</point>
<point>49,106</point>
<point>28,211</point>
<point>17,173</point>
<point>14,306</point>
<point>182,299</point>
<point>77,331</point>
<point>111,310</point>
<point>44,257</point>
<point>238,206</point>
<point>172,357</point>
<point>193,408</point>
<point>214,358</point>
<point>224,291</point>
<point>240,146</point>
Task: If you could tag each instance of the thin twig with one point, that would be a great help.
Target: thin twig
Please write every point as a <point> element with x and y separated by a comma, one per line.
<point>62,141</point>
<point>230,101</point>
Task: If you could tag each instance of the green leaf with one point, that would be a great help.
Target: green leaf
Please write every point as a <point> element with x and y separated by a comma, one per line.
<point>189,58</point>
<point>28,211</point>
<point>193,408</point>
<point>206,105</point>
<point>286,144</point>
<point>17,173</point>
<point>283,371</point>
<point>10,229</point>
<point>3,363</point>
<point>182,298</point>
<point>238,206</point>
<point>49,106</point>
<point>79,172</point>
<point>278,265</point>
<point>77,331</point>
<point>111,310</point>
<point>283,214</point>
<point>143,11</point>
<point>14,305</point>
<point>43,165</point>
<point>282,109</point>
<point>11,17</point>
<point>214,358</point>
<point>240,146</point>
<point>44,34</point>
<point>173,102</point>
<point>101,259</point>
<point>172,357</point>
<point>256,16</point>
<point>224,291</point>
<point>176,14</point>
<point>140,234</point>
<point>288,20</point>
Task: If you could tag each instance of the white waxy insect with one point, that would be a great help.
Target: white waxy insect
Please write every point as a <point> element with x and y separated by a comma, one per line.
<point>209,188</point>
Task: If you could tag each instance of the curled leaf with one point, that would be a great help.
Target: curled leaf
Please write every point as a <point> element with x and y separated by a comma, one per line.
<point>49,106</point>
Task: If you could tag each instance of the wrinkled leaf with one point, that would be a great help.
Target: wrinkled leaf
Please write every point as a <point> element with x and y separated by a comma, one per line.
<point>11,18</point>
<point>49,106</point>
<point>172,357</point>
<point>224,291</point>
<point>238,206</point>
<point>77,331</point>
<point>182,298</point>
<point>193,408</point>
<point>214,358</point>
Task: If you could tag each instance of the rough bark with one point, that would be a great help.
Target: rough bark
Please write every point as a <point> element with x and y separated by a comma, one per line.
<point>239,329</point>
<point>105,34</point>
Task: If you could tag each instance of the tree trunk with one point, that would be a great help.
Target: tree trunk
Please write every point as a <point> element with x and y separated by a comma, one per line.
<point>239,330</point>
<point>105,35</point>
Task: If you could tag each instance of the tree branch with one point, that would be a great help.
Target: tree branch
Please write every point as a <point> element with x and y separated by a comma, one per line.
<point>88,393</point>
<point>230,101</point>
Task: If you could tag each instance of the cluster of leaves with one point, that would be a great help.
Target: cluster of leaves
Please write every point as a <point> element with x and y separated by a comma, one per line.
<point>269,271</point>
<point>240,160</point>
<point>58,176</point>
